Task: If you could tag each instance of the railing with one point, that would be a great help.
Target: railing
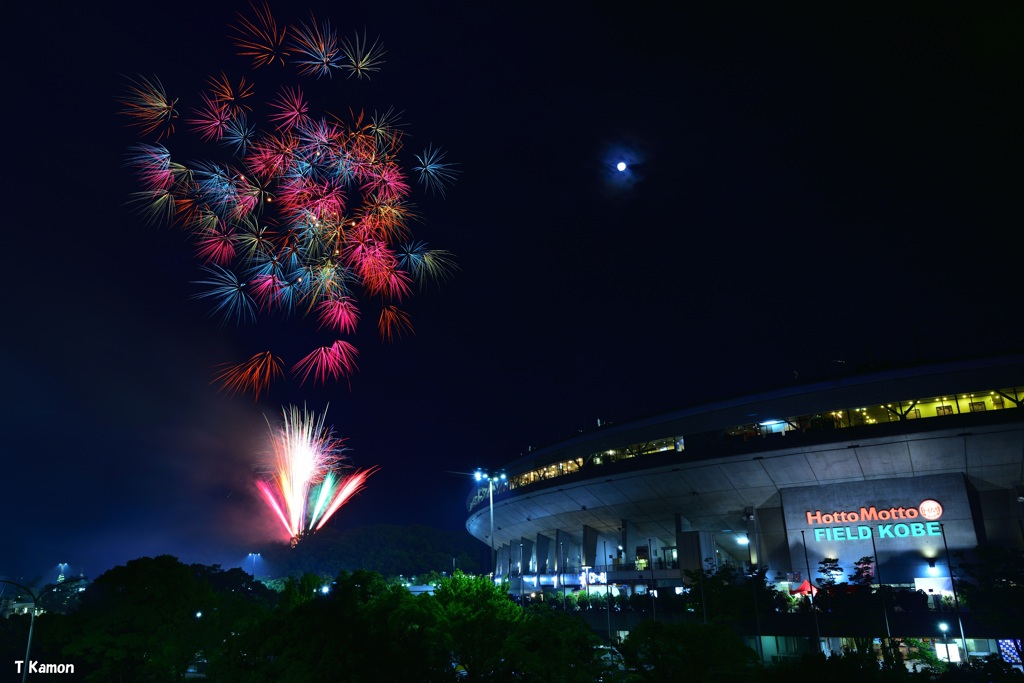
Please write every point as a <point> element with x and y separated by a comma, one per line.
<point>840,418</point>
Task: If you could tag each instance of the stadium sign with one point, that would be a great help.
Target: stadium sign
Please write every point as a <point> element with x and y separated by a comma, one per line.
<point>929,510</point>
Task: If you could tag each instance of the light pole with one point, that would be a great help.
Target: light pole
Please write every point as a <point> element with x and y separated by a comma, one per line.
<point>522,590</point>
<point>31,625</point>
<point>254,556</point>
<point>881,592</point>
<point>654,581</point>
<point>810,593</point>
<point>607,595</point>
<point>944,627</point>
<point>561,571</point>
<point>480,475</point>
<point>956,600</point>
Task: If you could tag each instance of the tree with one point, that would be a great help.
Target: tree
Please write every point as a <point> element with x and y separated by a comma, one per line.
<point>920,653</point>
<point>398,639</point>
<point>297,591</point>
<point>475,619</point>
<point>863,571</point>
<point>142,621</point>
<point>369,629</point>
<point>860,603</point>
<point>690,652</point>
<point>62,597</point>
<point>362,629</point>
<point>724,595</point>
<point>993,590</point>
<point>830,570</point>
<point>552,646</point>
<point>241,602</point>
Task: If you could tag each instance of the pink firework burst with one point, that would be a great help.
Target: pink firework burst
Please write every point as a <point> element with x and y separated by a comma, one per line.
<point>211,118</point>
<point>328,362</point>
<point>339,314</point>
<point>303,484</point>
<point>290,109</point>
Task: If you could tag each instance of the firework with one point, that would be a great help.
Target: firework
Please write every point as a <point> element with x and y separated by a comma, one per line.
<point>304,486</point>
<point>295,211</point>
<point>252,375</point>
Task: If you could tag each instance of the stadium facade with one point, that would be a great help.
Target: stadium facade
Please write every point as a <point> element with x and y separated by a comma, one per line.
<point>907,466</point>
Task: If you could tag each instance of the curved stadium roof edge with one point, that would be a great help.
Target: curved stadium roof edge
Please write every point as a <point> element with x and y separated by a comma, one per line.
<point>908,383</point>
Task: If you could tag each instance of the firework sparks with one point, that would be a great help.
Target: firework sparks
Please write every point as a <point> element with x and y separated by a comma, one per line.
<point>304,486</point>
<point>296,211</point>
<point>149,107</point>
<point>252,375</point>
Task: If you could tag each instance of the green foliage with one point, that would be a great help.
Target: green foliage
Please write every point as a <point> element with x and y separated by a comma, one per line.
<point>363,629</point>
<point>148,620</point>
<point>475,620</point>
<point>369,629</point>
<point>551,646</point>
<point>690,652</point>
<point>139,623</point>
<point>724,595</point>
<point>921,654</point>
<point>277,585</point>
<point>302,589</point>
<point>569,599</point>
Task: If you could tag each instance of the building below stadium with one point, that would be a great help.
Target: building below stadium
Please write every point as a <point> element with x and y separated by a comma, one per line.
<point>909,467</point>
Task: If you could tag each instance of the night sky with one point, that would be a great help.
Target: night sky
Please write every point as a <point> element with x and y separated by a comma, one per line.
<point>811,190</point>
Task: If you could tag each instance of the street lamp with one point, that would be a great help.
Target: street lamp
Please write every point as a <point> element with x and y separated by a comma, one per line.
<point>480,475</point>
<point>944,627</point>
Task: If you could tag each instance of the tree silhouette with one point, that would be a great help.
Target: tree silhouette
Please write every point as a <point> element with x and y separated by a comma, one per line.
<point>993,590</point>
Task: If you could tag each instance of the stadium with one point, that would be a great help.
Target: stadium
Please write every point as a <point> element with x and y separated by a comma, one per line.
<point>908,466</point>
